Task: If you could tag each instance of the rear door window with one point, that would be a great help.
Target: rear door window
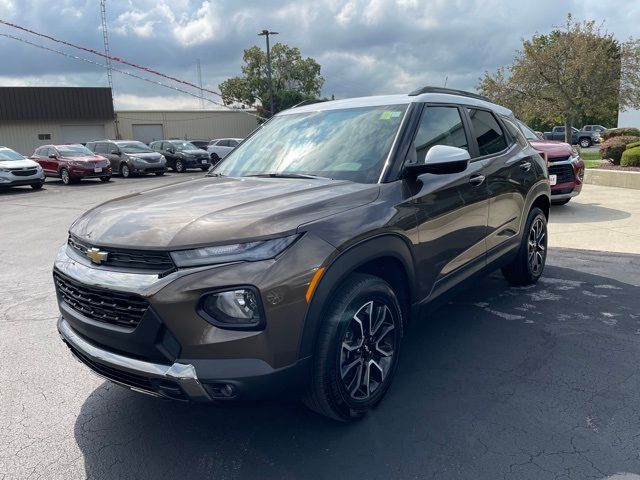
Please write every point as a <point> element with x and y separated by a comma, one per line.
<point>487,132</point>
<point>223,143</point>
<point>439,126</point>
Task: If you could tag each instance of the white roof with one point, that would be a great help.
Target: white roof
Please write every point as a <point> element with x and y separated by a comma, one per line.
<point>397,100</point>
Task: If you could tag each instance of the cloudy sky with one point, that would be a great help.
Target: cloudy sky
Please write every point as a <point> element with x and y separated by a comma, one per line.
<point>365,47</point>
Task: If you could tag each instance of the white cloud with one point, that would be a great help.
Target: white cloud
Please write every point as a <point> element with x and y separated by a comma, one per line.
<point>7,8</point>
<point>160,102</point>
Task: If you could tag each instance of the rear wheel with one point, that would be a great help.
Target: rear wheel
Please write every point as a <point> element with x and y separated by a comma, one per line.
<point>65,177</point>
<point>357,349</point>
<point>585,142</point>
<point>528,266</point>
<point>204,169</point>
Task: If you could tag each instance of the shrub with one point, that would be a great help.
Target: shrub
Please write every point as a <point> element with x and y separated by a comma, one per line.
<point>631,157</point>
<point>620,132</point>
<point>633,145</point>
<point>613,148</point>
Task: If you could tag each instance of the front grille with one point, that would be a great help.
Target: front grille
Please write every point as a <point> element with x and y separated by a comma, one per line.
<point>558,159</point>
<point>24,173</point>
<point>564,173</point>
<point>108,306</point>
<point>136,259</point>
<point>130,379</point>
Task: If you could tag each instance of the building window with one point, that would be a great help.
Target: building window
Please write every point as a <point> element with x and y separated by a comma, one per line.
<point>44,136</point>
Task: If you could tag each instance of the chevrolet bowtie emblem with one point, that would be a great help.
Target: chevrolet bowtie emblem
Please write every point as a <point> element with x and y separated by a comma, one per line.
<point>97,256</point>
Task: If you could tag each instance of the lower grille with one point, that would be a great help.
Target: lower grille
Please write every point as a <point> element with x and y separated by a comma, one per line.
<point>129,379</point>
<point>115,308</point>
<point>564,173</point>
<point>24,173</point>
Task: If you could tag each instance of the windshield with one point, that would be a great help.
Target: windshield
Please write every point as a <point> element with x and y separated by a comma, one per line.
<point>8,154</point>
<point>528,133</point>
<point>74,151</point>
<point>134,147</point>
<point>184,145</point>
<point>346,144</point>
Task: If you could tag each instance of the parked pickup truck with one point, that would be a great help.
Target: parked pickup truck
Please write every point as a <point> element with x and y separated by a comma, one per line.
<point>583,138</point>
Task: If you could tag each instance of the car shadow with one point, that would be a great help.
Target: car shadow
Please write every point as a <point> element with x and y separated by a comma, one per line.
<point>486,382</point>
<point>574,212</point>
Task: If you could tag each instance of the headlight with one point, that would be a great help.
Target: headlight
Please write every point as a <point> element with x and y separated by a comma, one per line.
<point>4,170</point>
<point>73,163</point>
<point>237,308</point>
<point>163,158</point>
<point>240,252</point>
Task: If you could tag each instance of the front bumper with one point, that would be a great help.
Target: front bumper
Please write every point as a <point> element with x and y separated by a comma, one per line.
<point>20,181</point>
<point>75,172</point>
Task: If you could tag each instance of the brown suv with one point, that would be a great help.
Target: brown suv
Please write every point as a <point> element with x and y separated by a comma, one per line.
<point>296,264</point>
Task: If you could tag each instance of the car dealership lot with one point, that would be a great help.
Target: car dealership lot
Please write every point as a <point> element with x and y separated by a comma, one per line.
<point>536,382</point>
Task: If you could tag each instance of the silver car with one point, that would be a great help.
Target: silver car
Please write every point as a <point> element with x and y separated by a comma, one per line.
<point>16,170</point>
<point>220,147</point>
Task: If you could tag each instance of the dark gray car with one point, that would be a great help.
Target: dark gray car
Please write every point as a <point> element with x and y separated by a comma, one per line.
<point>295,267</point>
<point>182,155</point>
<point>130,157</point>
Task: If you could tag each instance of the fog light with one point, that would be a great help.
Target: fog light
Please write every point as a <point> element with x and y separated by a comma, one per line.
<point>238,308</point>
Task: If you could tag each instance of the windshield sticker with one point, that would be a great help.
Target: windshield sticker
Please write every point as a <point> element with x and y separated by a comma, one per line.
<point>387,114</point>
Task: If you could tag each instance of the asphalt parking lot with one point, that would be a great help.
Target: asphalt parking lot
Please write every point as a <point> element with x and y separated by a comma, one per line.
<point>524,383</point>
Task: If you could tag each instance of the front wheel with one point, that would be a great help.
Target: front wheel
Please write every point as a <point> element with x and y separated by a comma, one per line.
<point>527,267</point>
<point>105,179</point>
<point>357,349</point>
<point>180,167</point>
<point>585,142</point>
<point>125,171</point>
<point>64,175</point>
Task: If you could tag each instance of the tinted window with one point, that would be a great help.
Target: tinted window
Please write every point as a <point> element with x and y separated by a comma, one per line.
<point>133,147</point>
<point>515,132</point>
<point>101,148</point>
<point>487,131</point>
<point>233,143</point>
<point>439,126</point>
<point>587,128</point>
<point>528,133</point>
<point>223,143</point>
<point>74,151</point>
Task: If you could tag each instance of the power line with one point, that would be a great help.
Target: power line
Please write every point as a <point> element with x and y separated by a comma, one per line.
<point>121,60</point>
<point>124,72</point>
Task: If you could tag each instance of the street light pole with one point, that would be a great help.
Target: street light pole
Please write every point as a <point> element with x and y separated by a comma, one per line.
<point>266,34</point>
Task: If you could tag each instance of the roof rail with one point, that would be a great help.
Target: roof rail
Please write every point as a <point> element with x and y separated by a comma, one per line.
<point>309,102</point>
<point>450,91</point>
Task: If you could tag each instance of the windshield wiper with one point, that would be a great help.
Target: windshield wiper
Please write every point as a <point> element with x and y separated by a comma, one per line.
<point>284,175</point>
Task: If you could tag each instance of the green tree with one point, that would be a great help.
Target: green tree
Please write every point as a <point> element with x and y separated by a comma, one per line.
<point>578,72</point>
<point>294,78</point>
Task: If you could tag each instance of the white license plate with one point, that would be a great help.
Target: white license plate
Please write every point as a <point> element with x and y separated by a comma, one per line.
<point>553,179</point>
<point>204,162</point>
<point>97,169</point>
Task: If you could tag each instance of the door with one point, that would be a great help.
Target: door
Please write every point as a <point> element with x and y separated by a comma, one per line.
<point>168,150</point>
<point>147,133</point>
<point>509,171</point>
<point>104,149</point>
<point>82,133</point>
<point>451,209</point>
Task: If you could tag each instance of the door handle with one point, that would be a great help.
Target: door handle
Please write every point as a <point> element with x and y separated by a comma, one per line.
<point>476,180</point>
<point>526,166</point>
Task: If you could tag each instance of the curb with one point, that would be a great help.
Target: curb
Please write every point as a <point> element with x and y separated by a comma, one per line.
<point>612,178</point>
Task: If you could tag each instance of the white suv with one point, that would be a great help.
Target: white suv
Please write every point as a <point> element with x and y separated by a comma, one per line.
<point>17,170</point>
<point>220,147</point>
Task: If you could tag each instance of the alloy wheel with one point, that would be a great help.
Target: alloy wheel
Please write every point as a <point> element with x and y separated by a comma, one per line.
<point>64,175</point>
<point>179,166</point>
<point>126,172</point>
<point>537,246</point>
<point>367,350</point>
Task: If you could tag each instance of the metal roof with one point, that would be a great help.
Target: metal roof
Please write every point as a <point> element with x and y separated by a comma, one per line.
<point>55,103</point>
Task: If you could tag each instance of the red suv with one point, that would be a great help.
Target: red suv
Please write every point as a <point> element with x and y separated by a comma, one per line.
<point>566,168</point>
<point>72,163</point>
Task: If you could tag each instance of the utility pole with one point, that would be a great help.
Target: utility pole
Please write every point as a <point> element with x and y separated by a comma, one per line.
<point>200,84</point>
<point>105,38</point>
<point>266,33</point>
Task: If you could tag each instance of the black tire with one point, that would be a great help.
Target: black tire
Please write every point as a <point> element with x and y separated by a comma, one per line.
<point>561,202</point>
<point>528,266</point>
<point>159,174</point>
<point>214,158</point>
<point>204,169</point>
<point>337,389</point>
<point>37,186</point>
<point>65,177</point>
<point>180,167</point>
<point>105,179</point>
<point>585,142</point>
<point>125,170</point>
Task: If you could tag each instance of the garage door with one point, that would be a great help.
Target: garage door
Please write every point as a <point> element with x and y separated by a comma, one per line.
<point>82,133</point>
<point>147,133</point>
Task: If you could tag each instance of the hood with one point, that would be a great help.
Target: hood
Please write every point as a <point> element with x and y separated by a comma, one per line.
<point>552,148</point>
<point>216,210</point>
<point>145,155</point>
<point>26,163</point>
<point>86,158</point>
<point>198,151</point>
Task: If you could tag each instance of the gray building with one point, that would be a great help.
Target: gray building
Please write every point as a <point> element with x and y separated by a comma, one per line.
<point>34,116</point>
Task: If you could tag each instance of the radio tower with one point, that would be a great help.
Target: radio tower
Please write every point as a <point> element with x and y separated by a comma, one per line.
<point>105,38</point>
<point>200,84</point>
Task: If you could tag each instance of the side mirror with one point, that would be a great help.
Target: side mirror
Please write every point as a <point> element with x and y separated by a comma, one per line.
<point>115,152</point>
<point>53,155</point>
<point>441,159</point>
<point>171,150</point>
